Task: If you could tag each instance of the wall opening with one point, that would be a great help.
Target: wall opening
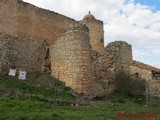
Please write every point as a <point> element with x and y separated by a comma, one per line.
<point>102,40</point>
<point>155,75</point>
<point>136,74</point>
<point>47,62</point>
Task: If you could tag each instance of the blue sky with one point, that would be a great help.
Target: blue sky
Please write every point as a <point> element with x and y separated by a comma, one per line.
<point>155,3</point>
<point>134,21</point>
<point>149,57</point>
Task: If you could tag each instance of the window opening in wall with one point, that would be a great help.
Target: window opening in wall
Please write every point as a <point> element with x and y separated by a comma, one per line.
<point>136,74</point>
<point>32,56</point>
<point>101,40</point>
<point>155,75</point>
<point>109,82</point>
<point>47,54</point>
<point>47,62</point>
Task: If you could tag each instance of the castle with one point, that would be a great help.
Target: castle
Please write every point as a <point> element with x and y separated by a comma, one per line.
<point>34,39</point>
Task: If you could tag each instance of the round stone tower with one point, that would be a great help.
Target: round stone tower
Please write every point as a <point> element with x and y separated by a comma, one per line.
<point>70,58</point>
<point>96,32</point>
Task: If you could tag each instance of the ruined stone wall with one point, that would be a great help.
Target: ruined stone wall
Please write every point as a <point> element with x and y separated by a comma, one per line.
<point>116,57</point>
<point>142,73</point>
<point>104,70</point>
<point>123,57</point>
<point>144,66</point>
<point>154,87</point>
<point>21,54</point>
<point>27,21</point>
<point>8,13</point>
<point>146,74</point>
<point>96,34</point>
<point>71,62</point>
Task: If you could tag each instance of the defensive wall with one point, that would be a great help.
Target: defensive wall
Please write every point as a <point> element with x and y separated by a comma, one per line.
<point>78,57</point>
<point>71,61</point>
<point>21,54</point>
<point>25,20</point>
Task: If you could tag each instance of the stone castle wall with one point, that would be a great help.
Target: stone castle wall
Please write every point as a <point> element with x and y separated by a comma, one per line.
<point>21,54</point>
<point>8,13</point>
<point>78,57</point>
<point>96,34</point>
<point>142,73</point>
<point>116,57</point>
<point>27,21</point>
<point>123,57</point>
<point>144,66</point>
<point>154,88</point>
<point>70,58</point>
<point>71,62</point>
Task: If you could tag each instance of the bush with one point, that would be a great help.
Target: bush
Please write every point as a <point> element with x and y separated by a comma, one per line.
<point>127,85</point>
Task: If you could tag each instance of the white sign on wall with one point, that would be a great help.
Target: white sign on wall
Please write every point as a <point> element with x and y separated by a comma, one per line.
<point>12,72</point>
<point>22,75</point>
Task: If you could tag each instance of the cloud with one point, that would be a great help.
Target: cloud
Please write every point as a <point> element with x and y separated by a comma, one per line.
<point>149,55</point>
<point>124,20</point>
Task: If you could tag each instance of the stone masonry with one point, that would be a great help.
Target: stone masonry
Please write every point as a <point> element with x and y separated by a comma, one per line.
<point>21,54</point>
<point>96,32</point>
<point>148,73</point>
<point>8,13</point>
<point>71,62</point>
<point>25,20</point>
<point>116,57</point>
<point>34,39</point>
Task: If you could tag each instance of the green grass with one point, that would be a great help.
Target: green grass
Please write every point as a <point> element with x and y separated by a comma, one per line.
<point>37,85</point>
<point>13,109</point>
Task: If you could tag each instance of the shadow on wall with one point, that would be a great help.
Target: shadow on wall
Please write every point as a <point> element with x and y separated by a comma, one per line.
<point>125,84</point>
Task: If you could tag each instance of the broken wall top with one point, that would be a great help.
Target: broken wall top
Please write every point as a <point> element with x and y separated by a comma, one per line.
<point>145,66</point>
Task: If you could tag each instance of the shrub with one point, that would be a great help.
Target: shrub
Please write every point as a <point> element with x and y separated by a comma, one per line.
<point>127,85</point>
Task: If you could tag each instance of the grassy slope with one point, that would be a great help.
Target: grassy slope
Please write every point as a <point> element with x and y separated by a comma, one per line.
<point>16,105</point>
<point>13,109</point>
<point>37,85</point>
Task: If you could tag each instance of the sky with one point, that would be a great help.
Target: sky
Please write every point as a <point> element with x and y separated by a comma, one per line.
<point>134,21</point>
